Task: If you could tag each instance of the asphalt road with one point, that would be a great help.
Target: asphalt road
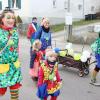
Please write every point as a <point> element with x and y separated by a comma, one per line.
<point>73,88</point>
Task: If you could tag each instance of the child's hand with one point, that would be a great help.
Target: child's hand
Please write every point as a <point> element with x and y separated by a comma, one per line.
<point>60,83</point>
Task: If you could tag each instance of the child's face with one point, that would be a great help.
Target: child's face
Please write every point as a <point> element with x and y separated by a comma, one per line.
<point>52,58</point>
<point>9,20</point>
<point>39,46</point>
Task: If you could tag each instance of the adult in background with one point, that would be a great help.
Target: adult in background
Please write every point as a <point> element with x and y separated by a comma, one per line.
<point>32,28</point>
<point>44,34</point>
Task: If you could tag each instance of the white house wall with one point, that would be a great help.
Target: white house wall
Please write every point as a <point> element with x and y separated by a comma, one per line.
<point>89,3</point>
<point>40,8</point>
<point>76,13</point>
<point>45,7</point>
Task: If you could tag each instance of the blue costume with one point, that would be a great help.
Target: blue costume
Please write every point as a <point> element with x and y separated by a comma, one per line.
<point>45,37</point>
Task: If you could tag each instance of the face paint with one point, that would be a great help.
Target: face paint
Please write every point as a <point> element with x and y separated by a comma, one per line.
<point>10,17</point>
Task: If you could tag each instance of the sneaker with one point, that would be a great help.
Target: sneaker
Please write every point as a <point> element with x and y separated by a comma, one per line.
<point>93,81</point>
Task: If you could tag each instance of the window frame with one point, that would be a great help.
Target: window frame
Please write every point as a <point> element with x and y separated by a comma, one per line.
<point>16,5</point>
<point>54,2</point>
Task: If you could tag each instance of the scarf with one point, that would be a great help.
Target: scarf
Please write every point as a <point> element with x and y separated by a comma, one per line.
<point>45,29</point>
<point>5,28</point>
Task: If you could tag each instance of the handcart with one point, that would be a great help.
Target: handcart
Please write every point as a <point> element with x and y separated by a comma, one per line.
<point>69,61</point>
<point>75,61</point>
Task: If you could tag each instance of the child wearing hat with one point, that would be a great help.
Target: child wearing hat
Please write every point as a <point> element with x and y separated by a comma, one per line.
<point>49,82</point>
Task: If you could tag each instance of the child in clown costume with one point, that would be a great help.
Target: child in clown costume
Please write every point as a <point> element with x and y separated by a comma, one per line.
<point>49,82</point>
<point>10,71</point>
<point>35,59</point>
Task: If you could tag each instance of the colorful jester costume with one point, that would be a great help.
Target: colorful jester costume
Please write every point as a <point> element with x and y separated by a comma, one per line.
<point>10,71</point>
<point>49,82</point>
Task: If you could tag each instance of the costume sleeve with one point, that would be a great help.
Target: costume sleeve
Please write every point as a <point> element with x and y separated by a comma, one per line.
<point>40,76</point>
<point>38,33</point>
<point>33,56</point>
<point>42,87</point>
<point>58,76</point>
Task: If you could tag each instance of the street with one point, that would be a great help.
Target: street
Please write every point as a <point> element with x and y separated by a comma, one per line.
<point>73,86</point>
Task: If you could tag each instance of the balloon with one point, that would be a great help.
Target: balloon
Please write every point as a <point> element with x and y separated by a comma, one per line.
<point>77,56</point>
<point>57,50</point>
<point>83,58</point>
<point>86,53</point>
<point>62,53</point>
<point>70,52</point>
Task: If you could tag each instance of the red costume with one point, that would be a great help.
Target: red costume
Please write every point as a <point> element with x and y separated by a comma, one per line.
<point>48,81</point>
<point>36,57</point>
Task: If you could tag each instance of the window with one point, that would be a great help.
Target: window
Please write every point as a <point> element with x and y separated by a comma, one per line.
<point>54,3</point>
<point>14,4</point>
<point>92,8</point>
<point>80,7</point>
<point>0,5</point>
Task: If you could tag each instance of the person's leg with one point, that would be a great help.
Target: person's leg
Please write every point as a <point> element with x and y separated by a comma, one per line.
<point>14,91</point>
<point>96,69</point>
<point>14,94</point>
<point>53,98</point>
<point>3,91</point>
<point>30,55</point>
<point>94,74</point>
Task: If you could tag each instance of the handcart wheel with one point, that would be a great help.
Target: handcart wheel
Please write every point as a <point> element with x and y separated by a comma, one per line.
<point>86,71</point>
<point>81,74</point>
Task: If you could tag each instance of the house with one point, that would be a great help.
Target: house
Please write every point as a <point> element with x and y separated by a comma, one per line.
<point>54,9</point>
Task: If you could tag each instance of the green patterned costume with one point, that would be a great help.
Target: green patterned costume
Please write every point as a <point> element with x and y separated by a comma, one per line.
<point>96,46</point>
<point>10,71</point>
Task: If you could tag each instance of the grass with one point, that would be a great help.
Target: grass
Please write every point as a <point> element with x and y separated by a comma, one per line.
<point>60,27</point>
<point>84,22</point>
<point>56,28</point>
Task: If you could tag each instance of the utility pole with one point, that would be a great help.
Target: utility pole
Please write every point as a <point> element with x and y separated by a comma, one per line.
<point>69,24</point>
<point>68,5</point>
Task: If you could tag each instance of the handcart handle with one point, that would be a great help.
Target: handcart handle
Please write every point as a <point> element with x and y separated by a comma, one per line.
<point>93,62</point>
